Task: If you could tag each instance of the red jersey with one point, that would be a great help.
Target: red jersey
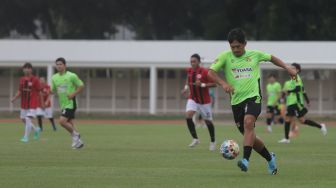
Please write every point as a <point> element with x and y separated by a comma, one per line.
<point>197,93</point>
<point>45,93</point>
<point>29,88</point>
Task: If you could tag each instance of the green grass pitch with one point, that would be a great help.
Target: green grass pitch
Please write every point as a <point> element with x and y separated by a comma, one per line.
<point>157,156</point>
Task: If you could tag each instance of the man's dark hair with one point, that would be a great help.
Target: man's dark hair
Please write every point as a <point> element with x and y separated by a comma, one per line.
<point>27,65</point>
<point>198,57</point>
<point>238,35</point>
<point>297,66</point>
<point>61,59</point>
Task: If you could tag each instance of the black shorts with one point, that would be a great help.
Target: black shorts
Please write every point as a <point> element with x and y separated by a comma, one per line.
<point>249,106</point>
<point>296,110</point>
<point>273,110</point>
<point>69,113</point>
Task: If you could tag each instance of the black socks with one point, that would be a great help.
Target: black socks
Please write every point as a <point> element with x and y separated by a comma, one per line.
<point>265,153</point>
<point>39,120</point>
<point>191,127</point>
<point>52,123</point>
<point>269,121</point>
<point>247,152</point>
<point>312,123</point>
<point>287,129</point>
<point>211,129</point>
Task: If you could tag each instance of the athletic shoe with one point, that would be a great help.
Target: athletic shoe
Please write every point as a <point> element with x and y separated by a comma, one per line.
<point>324,129</point>
<point>212,146</point>
<point>272,167</point>
<point>284,141</point>
<point>75,138</point>
<point>79,144</point>
<point>269,128</point>
<point>24,139</point>
<point>37,133</point>
<point>243,165</point>
<point>194,143</point>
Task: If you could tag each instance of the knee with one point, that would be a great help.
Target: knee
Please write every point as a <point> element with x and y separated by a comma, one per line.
<point>208,122</point>
<point>302,120</point>
<point>248,124</point>
<point>62,121</point>
<point>189,114</point>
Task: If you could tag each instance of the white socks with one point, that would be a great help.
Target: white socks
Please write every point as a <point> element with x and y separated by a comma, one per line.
<point>27,127</point>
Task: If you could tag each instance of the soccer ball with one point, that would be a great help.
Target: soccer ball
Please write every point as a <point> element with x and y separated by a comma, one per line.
<point>229,149</point>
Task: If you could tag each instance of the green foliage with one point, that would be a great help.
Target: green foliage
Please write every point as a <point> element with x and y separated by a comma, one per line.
<point>171,19</point>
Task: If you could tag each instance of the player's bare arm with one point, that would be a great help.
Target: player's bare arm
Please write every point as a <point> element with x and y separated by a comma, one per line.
<point>78,90</point>
<point>278,62</point>
<point>17,95</point>
<point>41,100</point>
<point>186,88</point>
<point>214,76</point>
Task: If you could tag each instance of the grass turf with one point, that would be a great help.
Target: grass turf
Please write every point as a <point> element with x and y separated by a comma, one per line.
<point>157,156</point>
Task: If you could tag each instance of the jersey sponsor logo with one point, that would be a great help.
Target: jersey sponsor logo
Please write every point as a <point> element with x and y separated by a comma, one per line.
<point>241,73</point>
<point>242,70</point>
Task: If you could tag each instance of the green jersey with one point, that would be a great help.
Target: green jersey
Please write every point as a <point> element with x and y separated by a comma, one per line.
<point>64,85</point>
<point>294,97</point>
<point>242,73</point>
<point>273,92</point>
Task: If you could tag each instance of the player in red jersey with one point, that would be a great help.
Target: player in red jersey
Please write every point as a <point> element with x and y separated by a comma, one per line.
<point>47,111</point>
<point>199,99</point>
<point>30,93</point>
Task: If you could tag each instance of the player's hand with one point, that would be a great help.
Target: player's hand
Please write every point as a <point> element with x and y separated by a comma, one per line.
<point>71,96</point>
<point>292,72</point>
<point>228,88</point>
<point>12,100</point>
<point>184,92</point>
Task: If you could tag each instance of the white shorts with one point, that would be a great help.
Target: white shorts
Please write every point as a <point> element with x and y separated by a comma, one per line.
<point>203,109</point>
<point>47,112</point>
<point>39,112</point>
<point>27,113</point>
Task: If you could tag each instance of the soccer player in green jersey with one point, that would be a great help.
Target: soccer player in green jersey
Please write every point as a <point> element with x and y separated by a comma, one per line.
<point>273,89</point>
<point>295,105</point>
<point>242,75</point>
<point>67,86</point>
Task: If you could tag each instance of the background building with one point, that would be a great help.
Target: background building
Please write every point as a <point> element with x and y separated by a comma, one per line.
<point>144,77</point>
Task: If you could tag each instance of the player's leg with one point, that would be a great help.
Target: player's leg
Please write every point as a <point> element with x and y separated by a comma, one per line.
<point>269,118</point>
<point>49,115</point>
<point>27,130</point>
<point>39,116</point>
<point>294,129</point>
<point>277,116</point>
<point>76,137</point>
<point>31,114</point>
<point>253,110</point>
<point>206,113</point>
<point>191,108</point>
<point>290,114</point>
<point>303,120</point>
<point>238,115</point>
<point>67,123</point>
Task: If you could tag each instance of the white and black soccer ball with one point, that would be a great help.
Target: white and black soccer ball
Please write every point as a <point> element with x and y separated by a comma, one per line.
<point>229,149</point>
